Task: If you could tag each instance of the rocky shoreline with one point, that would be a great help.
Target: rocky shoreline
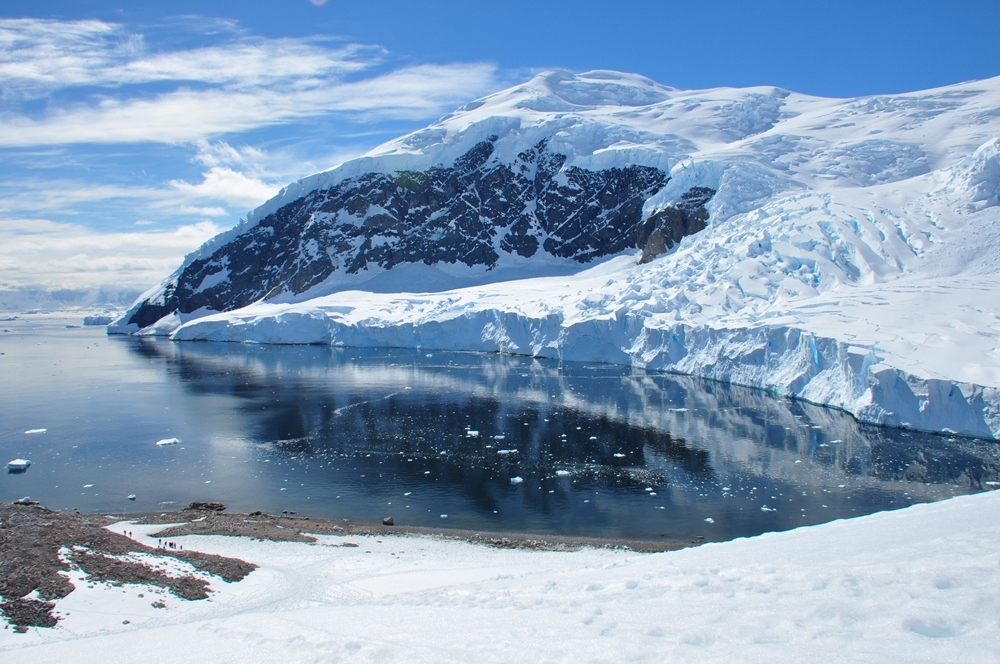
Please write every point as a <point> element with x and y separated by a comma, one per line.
<point>37,543</point>
<point>296,528</point>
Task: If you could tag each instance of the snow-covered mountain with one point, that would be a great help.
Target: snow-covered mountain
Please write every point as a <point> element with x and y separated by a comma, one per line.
<point>844,251</point>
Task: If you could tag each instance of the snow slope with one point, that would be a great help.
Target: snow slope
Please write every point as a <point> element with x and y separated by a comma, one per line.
<point>852,254</point>
<point>914,585</point>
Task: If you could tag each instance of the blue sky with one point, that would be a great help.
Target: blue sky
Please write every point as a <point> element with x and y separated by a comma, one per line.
<point>130,133</point>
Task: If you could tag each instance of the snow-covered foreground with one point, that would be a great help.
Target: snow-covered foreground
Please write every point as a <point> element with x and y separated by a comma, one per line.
<point>915,585</point>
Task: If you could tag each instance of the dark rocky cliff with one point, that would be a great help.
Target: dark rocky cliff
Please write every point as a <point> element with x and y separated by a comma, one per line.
<point>471,212</point>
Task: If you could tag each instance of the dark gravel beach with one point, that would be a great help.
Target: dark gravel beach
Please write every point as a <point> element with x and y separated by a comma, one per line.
<point>32,537</point>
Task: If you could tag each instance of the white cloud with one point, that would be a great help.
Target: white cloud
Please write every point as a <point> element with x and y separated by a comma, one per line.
<point>225,184</point>
<point>40,55</point>
<point>72,92</point>
<point>42,253</point>
<point>223,154</point>
<point>201,211</point>
<point>187,115</point>
<point>189,95</point>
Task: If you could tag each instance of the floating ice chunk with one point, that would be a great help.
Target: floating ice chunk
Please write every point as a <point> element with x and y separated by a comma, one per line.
<point>472,433</point>
<point>131,496</point>
<point>765,508</point>
<point>798,461</point>
<point>87,486</point>
<point>516,480</point>
<point>18,464</point>
<point>167,441</point>
<point>709,520</point>
<point>444,516</point>
<point>407,493</point>
<point>593,437</point>
<point>499,437</point>
<point>619,455</point>
<point>505,452</point>
<point>562,473</point>
<point>649,488</point>
<point>31,431</point>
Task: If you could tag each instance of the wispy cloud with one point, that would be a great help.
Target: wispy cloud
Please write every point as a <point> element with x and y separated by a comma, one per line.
<point>120,127</point>
<point>42,253</point>
<point>190,95</point>
<point>187,115</point>
<point>234,180</point>
<point>38,56</point>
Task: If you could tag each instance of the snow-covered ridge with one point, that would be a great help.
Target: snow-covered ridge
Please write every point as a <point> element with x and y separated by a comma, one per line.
<point>601,119</point>
<point>851,255</point>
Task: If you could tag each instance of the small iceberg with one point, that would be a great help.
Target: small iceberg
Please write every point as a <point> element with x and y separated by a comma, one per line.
<point>18,465</point>
<point>562,473</point>
<point>33,431</point>
<point>131,496</point>
<point>167,441</point>
<point>516,480</point>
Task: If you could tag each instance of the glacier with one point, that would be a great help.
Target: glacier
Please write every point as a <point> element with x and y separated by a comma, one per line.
<point>851,255</point>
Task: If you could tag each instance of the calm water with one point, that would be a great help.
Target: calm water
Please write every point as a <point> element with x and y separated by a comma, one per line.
<point>600,450</point>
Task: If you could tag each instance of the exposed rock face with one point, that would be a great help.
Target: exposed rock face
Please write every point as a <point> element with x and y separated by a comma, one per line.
<point>471,212</point>
<point>665,228</point>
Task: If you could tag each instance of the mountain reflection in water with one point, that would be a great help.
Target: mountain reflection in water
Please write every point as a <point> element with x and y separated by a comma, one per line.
<point>494,442</point>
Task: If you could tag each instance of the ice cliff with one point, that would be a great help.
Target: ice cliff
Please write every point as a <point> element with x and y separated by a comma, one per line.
<point>843,251</point>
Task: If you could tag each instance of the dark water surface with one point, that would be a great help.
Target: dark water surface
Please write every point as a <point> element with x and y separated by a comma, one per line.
<point>602,451</point>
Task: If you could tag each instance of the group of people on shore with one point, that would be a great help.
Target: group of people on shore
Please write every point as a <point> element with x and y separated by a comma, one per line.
<point>160,543</point>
